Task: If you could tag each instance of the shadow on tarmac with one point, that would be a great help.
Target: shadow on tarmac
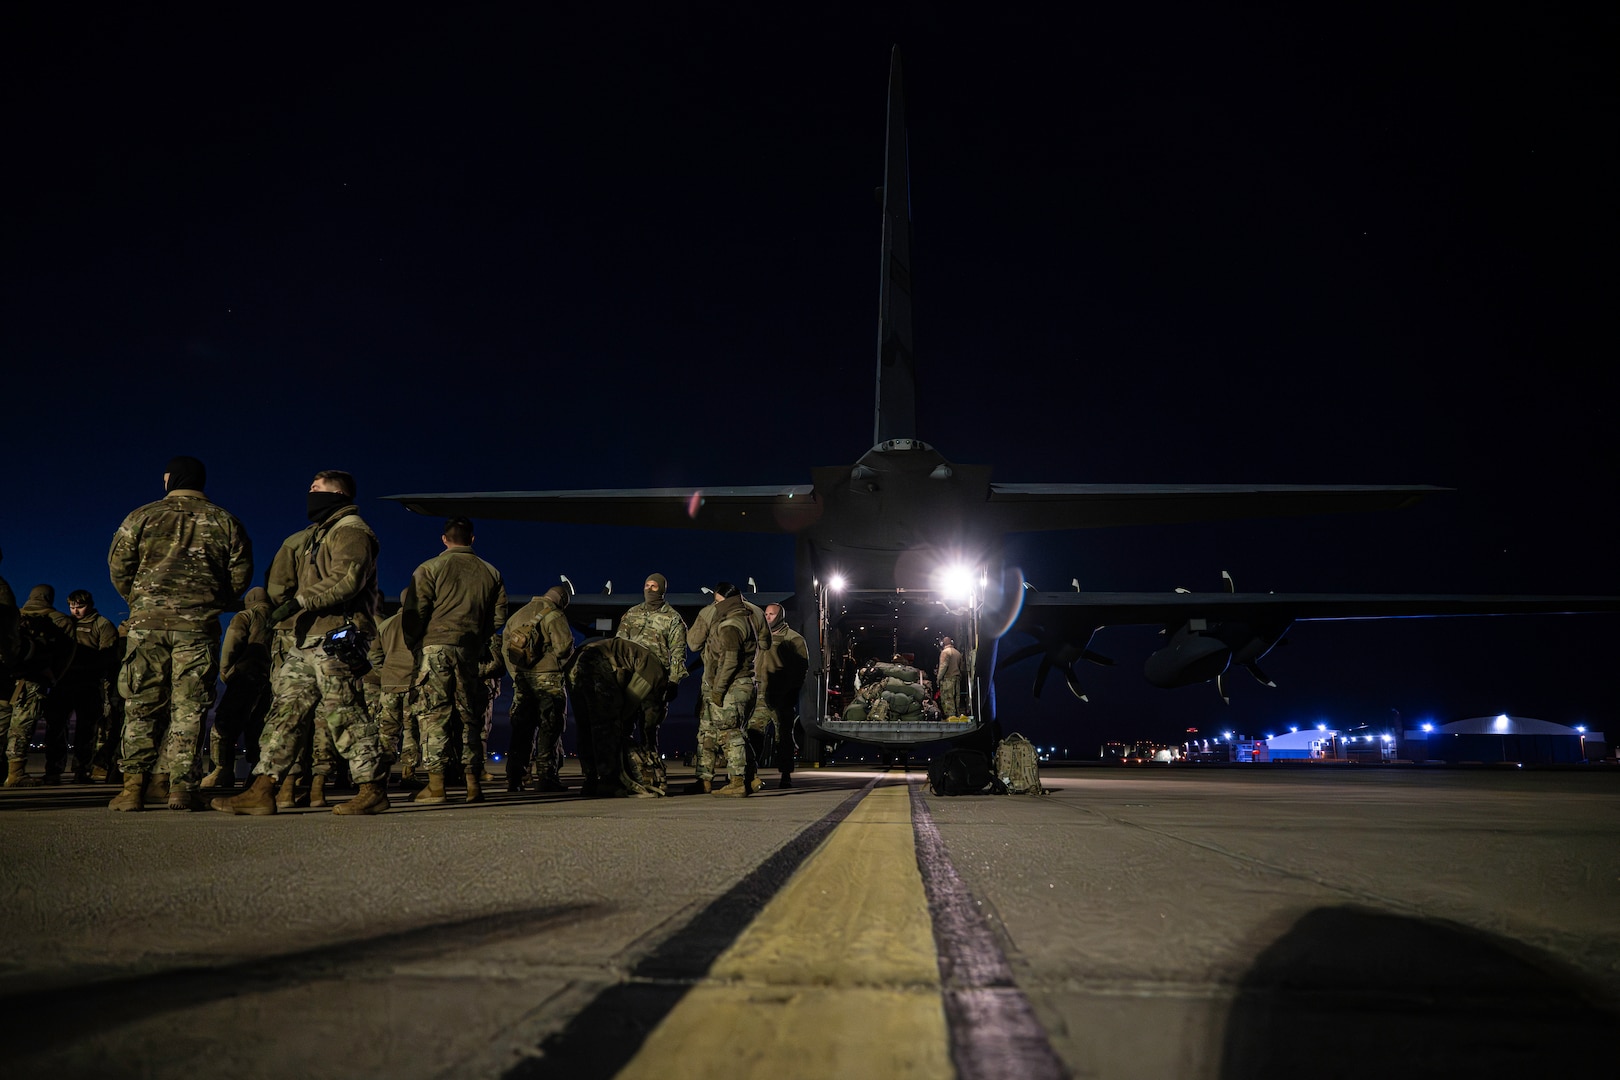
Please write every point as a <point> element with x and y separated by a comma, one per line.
<point>35,1019</point>
<point>1350,992</point>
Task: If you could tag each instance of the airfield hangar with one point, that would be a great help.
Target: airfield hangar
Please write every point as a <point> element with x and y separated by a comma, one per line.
<point>1502,738</point>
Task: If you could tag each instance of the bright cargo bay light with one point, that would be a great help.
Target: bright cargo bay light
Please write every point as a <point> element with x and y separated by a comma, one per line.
<point>956,582</point>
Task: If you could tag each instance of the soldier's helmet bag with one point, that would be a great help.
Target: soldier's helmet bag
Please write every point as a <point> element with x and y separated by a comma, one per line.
<point>523,643</point>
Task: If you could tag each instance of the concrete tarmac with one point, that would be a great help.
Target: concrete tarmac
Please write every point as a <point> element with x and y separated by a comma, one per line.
<point>1132,923</point>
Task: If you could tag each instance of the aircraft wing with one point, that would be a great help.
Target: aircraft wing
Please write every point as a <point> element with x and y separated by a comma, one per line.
<point>598,614</point>
<point>1076,614</point>
<point>1032,507</point>
<point>735,509</point>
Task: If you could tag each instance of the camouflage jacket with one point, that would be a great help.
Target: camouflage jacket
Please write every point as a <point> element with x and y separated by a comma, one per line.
<point>733,645</point>
<point>180,562</point>
<point>245,655</point>
<point>950,662</point>
<point>333,570</point>
<point>783,666</point>
<point>699,634</point>
<point>660,629</point>
<point>556,639</point>
<point>396,666</point>
<point>637,670</point>
<point>454,598</point>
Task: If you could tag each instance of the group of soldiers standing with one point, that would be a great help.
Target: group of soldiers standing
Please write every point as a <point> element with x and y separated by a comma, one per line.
<point>315,682</point>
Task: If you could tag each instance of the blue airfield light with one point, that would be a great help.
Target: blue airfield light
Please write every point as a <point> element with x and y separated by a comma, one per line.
<point>1581,728</point>
<point>1293,727</point>
<point>1428,727</point>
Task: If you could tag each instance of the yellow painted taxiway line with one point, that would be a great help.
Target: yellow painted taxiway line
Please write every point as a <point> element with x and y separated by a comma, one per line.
<point>836,976</point>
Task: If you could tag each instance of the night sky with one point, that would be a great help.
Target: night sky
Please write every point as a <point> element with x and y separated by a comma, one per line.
<point>459,251</point>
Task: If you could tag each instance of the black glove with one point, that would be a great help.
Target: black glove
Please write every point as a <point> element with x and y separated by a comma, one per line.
<point>291,607</point>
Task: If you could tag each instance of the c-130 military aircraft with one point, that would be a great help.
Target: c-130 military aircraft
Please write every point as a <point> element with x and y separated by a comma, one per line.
<point>904,547</point>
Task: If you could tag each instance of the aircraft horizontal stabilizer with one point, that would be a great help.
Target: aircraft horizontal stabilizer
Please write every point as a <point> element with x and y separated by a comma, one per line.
<point>1040,507</point>
<point>1075,614</point>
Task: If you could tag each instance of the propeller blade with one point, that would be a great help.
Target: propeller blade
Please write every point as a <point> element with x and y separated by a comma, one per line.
<point>1021,654</point>
<point>1040,675</point>
<point>1226,579</point>
<point>1074,682</point>
<point>1261,677</point>
<point>1097,658</point>
<point>1220,687</point>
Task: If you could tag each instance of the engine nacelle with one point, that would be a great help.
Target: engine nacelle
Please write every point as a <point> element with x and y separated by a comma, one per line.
<point>1192,656</point>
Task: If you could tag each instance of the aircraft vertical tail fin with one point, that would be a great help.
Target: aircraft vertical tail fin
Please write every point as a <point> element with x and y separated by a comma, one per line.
<point>897,368</point>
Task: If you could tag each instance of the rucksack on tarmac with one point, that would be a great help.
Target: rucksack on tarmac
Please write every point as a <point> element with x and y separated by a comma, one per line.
<point>1018,766</point>
<point>959,772</point>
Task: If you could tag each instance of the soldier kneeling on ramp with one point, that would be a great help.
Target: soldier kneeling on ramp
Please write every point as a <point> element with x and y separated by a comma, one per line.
<point>617,687</point>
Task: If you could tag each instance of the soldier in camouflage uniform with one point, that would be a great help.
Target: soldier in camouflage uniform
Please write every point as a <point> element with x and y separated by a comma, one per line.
<point>395,666</point>
<point>618,689</point>
<point>949,675</point>
<point>244,667</point>
<point>710,745</point>
<point>110,736</point>
<point>537,646</point>
<point>454,604</point>
<point>782,669</point>
<point>729,656</point>
<point>179,562</point>
<point>49,646</point>
<point>335,561</point>
<point>84,691</point>
<point>658,626</point>
<point>11,656</point>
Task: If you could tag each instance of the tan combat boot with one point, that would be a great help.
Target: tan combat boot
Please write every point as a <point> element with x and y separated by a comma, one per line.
<point>317,790</point>
<point>157,789</point>
<point>17,774</point>
<point>287,795</point>
<point>130,797</point>
<point>373,799</point>
<point>699,787</point>
<point>737,789</point>
<point>259,798</point>
<point>475,788</point>
<point>182,797</point>
<point>224,774</point>
<point>433,793</point>
<point>756,784</point>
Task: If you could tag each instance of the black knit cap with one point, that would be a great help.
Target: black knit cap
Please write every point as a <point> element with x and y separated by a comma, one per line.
<point>724,589</point>
<point>186,472</point>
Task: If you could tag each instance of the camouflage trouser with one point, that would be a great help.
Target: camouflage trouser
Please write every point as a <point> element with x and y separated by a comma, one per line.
<point>110,735</point>
<point>721,730</point>
<point>172,671</point>
<point>25,704</point>
<point>447,684</point>
<point>539,713</point>
<point>319,693</point>
<point>950,692</point>
<point>492,692</point>
<point>396,725</point>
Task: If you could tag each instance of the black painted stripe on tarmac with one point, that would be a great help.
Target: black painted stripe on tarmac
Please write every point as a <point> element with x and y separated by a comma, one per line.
<point>994,1031</point>
<point>603,1037</point>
